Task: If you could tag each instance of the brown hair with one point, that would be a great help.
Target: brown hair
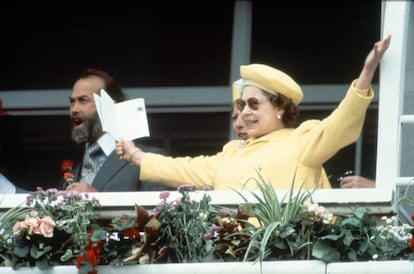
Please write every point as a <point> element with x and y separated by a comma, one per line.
<point>291,115</point>
<point>111,86</point>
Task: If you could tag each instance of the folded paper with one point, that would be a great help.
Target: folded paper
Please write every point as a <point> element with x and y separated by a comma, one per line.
<point>126,120</point>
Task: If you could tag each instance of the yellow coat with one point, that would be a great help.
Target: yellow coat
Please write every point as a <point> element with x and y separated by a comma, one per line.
<point>280,156</point>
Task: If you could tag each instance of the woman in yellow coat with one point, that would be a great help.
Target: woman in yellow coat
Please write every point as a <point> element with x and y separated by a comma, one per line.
<point>276,151</point>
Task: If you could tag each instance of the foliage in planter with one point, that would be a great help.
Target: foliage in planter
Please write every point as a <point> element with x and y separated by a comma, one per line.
<point>361,236</point>
<point>358,237</point>
<point>173,232</point>
<point>54,230</point>
<point>228,242</point>
<point>296,228</point>
<point>109,244</point>
<point>183,225</point>
<point>186,230</point>
<point>291,228</point>
<point>285,225</point>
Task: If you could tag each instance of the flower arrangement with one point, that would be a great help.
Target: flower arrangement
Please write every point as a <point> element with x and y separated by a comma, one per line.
<point>173,230</point>
<point>183,223</point>
<point>228,242</point>
<point>296,228</point>
<point>56,227</point>
<point>359,237</point>
<point>50,229</point>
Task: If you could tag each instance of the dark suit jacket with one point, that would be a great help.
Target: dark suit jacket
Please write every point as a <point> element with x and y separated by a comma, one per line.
<point>117,175</point>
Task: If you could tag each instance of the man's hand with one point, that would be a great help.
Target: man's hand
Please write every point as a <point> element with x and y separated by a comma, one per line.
<point>80,187</point>
<point>356,182</point>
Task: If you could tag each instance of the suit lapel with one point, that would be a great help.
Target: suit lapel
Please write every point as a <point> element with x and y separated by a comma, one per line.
<point>108,169</point>
<point>77,171</point>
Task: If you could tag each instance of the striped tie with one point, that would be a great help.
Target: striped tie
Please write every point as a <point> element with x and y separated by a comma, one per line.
<point>90,164</point>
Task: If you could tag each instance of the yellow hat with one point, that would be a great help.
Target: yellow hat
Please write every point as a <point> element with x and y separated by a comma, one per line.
<point>271,80</point>
<point>236,89</point>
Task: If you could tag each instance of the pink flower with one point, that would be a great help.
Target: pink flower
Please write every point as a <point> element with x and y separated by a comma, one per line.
<point>319,212</point>
<point>45,227</point>
<point>35,225</point>
<point>164,194</point>
<point>31,221</point>
<point>20,227</point>
<point>313,208</point>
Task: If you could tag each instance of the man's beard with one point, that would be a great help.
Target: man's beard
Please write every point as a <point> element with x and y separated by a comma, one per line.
<point>90,131</point>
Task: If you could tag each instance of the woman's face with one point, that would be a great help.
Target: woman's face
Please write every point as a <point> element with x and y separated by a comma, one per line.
<point>239,127</point>
<point>258,113</point>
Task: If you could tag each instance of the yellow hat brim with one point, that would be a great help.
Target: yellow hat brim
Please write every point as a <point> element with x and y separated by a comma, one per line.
<point>271,80</point>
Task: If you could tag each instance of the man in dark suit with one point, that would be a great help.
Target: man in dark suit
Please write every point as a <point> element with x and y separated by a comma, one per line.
<point>103,170</point>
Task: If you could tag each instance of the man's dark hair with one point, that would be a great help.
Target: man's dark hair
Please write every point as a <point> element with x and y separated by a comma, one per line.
<point>111,86</point>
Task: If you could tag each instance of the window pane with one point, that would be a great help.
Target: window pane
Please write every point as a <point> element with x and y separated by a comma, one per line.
<point>315,42</point>
<point>173,44</point>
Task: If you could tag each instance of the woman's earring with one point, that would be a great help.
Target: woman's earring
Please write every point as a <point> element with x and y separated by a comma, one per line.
<point>278,116</point>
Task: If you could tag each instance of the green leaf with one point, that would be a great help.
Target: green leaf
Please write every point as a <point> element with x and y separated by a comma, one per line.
<point>352,255</point>
<point>351,221</point>
<point>98,235</point>
<point>360,213</point>
<point>266,236</point>
<point>67,256</point>
<point>280,244</point>
<point>37,253</point>
<point>323,251</point>
<point>332,237</point>
<point>126,224</point>
<point>286,231</point>
<point>43,264</point>
<point>364,245</point>
<point>21,251</point>
<point>86,268</point>
<point>348,238</point>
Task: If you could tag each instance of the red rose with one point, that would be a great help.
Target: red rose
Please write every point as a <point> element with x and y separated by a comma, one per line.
<point>68,176</point>
<point>66,165</point>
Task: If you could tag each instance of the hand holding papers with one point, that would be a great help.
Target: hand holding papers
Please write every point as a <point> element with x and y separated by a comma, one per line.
<point>127,120</point>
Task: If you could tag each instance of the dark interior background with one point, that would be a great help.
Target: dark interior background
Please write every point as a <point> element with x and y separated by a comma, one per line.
<point>173,44</point>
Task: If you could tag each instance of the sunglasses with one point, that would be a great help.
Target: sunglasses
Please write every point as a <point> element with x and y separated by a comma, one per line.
<point>252,102</point>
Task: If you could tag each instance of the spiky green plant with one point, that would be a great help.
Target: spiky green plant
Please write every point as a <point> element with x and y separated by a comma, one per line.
<point>277,234</point>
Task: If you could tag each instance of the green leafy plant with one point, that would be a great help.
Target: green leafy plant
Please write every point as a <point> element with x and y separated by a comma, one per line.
<point>50,229</point>
<point>360,237</point>
<point>295,227</point>
<point>54,228</point>
<point>228,241</point>
<point>281,234</point>
<point>173,232</point>
<point>110,243</point>
<point>183,224</point>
